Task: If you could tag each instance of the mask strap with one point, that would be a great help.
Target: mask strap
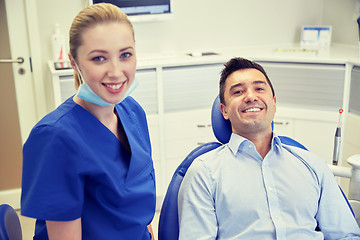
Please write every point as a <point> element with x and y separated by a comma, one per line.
<point>79,73</point>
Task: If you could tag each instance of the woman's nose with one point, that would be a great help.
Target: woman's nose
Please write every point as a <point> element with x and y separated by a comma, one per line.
<point>115,69</point>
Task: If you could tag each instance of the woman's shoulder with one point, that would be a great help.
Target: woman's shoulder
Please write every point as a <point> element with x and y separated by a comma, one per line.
<point>66,112</point>
<point>131,108</point>
<point>129,103</point>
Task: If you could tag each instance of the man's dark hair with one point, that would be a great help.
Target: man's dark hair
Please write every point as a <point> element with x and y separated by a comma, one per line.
<point>235,64</point>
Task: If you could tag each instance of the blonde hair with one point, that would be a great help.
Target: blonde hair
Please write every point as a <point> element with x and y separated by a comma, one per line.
<point>91,16</point>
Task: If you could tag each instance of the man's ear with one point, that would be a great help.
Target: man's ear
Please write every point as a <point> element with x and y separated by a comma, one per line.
<point>224,111</point>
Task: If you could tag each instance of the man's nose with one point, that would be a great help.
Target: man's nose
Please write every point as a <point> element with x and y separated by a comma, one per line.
<point>250,96</point>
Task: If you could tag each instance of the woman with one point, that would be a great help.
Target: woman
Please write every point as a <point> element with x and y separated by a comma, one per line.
<point>87,167</point>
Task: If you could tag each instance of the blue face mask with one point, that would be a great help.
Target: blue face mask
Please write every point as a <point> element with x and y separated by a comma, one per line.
<point>87,94</point>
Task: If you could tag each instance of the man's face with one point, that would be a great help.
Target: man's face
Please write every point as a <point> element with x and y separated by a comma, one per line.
<point>249,103</point>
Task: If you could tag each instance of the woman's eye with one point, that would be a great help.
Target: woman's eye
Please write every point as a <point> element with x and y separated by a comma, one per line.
<point>126,55</point>
<point>98,59</point>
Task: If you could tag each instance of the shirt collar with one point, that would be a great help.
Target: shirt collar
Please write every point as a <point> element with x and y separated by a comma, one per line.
<point>237,140</point>
<point>276,143</point>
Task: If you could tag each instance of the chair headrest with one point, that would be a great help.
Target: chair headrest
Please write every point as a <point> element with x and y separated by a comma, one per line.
<point>221,127</point>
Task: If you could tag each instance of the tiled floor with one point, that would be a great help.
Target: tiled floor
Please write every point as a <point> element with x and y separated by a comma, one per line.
<point>27,225</point>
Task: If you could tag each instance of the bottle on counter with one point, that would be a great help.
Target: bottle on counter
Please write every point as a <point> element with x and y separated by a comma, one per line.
<point>59,50</point>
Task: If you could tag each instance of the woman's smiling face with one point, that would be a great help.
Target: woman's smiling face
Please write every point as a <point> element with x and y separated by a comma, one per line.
<point>107,60</point>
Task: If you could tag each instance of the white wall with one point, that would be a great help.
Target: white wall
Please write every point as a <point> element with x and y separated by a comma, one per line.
<point>209,24</point>
<point>205,24</point>
<point>342,15</point>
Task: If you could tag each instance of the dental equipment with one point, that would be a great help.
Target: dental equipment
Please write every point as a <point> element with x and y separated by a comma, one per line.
<point>337,140</point>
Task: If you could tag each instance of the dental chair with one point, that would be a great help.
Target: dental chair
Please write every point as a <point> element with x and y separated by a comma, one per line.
<point>168,221</point>
<point>10,228</point>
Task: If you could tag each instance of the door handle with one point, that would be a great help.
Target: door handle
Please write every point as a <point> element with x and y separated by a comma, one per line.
<point>18,60</point>
<point>280,123</point>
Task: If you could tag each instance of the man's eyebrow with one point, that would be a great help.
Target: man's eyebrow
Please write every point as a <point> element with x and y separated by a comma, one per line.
<point>236,85</point>
<point>259,82</point>
<point>253,83</point>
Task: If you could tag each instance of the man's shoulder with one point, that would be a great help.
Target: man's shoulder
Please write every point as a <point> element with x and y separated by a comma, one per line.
<point>310,159</point>
<point>213,158</point>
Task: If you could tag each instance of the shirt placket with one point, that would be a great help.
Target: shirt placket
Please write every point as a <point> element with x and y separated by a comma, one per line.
<point>273,200</point>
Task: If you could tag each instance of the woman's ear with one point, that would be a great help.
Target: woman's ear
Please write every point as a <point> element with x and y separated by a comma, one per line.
<point>72,62</point>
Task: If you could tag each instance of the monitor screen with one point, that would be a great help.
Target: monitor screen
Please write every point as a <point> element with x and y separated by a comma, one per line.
<point>143,10</point>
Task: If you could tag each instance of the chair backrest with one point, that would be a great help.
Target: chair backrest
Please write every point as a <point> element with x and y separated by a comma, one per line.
<point>168,221</point>
<point>10,228</point>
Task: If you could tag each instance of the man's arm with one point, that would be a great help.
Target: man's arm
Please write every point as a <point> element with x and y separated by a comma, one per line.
<point>334,216</point>
<point>197,215</point>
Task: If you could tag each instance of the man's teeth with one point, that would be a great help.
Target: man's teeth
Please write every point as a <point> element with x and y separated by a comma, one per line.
<point>252,110</point>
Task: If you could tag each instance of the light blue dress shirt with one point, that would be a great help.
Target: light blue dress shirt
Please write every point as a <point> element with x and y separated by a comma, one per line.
<point>233,193</point>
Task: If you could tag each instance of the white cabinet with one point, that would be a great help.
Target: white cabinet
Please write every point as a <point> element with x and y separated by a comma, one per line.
<point>146,92</point>
<point>351,128</point>
<point>189,92</point>
<point>184,131</point>
<point>354,102</point>
<point>351,135</point>
<point>284,126</point>
<point>190,87</point>
<point>316,136</point>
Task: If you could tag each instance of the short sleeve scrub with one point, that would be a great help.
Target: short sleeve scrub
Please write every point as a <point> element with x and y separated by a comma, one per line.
<point>75,167</point>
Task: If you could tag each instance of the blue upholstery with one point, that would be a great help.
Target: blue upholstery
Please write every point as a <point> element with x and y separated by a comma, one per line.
<point>168,221</point>
<point>221,127</point>
<point>10,228</point>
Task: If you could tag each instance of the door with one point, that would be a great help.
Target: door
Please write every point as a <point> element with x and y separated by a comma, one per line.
<point>17,102</point>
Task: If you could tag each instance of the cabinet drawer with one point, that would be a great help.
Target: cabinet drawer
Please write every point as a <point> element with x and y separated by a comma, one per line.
<point>309,86</point>
<point>67,87</point>
<point>146,92</point>
<point>284,127</point>
<point>354,103</point>
<point>190,87</point>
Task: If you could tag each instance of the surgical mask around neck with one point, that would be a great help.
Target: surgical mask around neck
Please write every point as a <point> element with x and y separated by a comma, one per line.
<point>87,94</point>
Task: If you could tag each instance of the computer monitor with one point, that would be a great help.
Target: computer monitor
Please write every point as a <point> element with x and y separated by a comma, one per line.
<point>143,10</point>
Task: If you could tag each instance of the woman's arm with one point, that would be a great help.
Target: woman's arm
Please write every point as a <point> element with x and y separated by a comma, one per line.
<point>70,230</point>
<point>151,231</point>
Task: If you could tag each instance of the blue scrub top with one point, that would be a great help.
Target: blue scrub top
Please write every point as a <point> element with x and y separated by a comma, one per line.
<point>74,166</point>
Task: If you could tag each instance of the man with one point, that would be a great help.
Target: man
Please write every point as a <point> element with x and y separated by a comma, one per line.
<point>255,187</point>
